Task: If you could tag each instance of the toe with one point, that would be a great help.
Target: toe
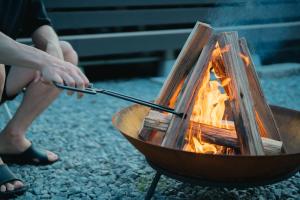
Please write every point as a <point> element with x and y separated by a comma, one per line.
<point>3,188</point>
<point>52,157</point>
<point>10,187</point>
<point>18,184</point>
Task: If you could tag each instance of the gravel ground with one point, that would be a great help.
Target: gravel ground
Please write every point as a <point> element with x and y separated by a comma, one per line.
<point>98,163</point>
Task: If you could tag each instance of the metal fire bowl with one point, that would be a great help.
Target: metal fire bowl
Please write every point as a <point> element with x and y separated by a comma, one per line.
<point>228,170</point>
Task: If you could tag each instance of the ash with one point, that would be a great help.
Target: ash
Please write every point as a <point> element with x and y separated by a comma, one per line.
<point>98,163</point>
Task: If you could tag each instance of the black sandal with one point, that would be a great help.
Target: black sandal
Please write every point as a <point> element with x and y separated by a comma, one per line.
<point>31,156</point>
<point>6,176</point>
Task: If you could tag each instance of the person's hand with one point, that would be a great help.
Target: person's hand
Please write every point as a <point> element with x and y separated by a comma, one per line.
<point>61,71</point>
<point>57,70</point>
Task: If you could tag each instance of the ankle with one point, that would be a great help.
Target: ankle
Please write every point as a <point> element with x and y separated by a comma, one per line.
<point>13,143</point>
<point>12,138</point>
<point>15,133</point>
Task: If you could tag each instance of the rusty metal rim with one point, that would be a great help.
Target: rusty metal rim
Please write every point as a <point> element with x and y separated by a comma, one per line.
<point>208,155</point>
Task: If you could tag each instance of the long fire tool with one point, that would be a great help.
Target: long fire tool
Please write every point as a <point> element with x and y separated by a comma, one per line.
<point>93,91</point>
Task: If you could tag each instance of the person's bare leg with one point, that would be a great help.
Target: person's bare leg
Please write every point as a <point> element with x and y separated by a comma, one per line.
<point>15,184</point>
<point>37,98</point>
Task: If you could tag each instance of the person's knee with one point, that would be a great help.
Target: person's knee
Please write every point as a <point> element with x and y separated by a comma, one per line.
<point>2,75</point>
<point>69,53</point>
<point>2,79</point>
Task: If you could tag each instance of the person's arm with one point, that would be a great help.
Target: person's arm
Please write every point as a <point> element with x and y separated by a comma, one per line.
<point>51,68</point>
<point>45,38</point>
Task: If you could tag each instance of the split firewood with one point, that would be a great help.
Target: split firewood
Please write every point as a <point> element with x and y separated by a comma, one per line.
<point>175,134</point>
<point>153,136</point>
<point>247,107</point>
<point>182,66</point>
<point>185,61</point>
<point>264,116</point>
<point>225,136</point>
<point>242,102</point>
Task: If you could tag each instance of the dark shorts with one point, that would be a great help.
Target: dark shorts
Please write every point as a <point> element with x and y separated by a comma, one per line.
<point>5,97</point>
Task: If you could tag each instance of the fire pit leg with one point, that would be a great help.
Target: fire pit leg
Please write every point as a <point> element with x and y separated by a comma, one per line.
<point>153,185</point>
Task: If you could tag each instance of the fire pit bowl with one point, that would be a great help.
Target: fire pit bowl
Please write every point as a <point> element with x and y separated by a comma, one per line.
<point>225,170</point>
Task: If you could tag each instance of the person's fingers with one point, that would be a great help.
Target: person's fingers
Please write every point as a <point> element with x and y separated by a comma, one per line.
<point>79,77</point>
<point>85,79</point>
<point>78,72</point>
<point>79,83</point>
<point>50,78</point>
<point>69,81</point>
<point>64,73</point>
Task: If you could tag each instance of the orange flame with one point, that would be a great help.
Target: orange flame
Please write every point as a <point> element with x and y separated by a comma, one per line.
<point>175,95</point>
<point>209,107</point>
<point>246,59</point>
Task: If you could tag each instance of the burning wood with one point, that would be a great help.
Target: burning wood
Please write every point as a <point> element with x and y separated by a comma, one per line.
<point>182,67</point>
<point>176,133</point>
<point>220,97</point>
<point>263,113</point>
<point>224,135</point>
<point>241,100</point>
<point>184,63</point>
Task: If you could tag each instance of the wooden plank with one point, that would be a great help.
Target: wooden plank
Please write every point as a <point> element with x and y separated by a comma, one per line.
<point>134,42</point>
<point>117,18</point>
<point>273,32</point>
<point>147,41</point>
<point>241,100</point>
<point>185,61</point>
<point>280,52</point>
<point>220,136</point>
<point>117,61</point>
<point>175,135</point>
<point>171,16</point>
<point>150,135</point>
<point>53,4</point>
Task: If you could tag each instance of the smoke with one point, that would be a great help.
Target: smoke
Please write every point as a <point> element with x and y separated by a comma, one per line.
<point>271,27</point>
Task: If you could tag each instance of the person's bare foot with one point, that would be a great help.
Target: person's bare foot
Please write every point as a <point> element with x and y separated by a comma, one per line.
<point>11,185</point>
<point>12,144</point>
